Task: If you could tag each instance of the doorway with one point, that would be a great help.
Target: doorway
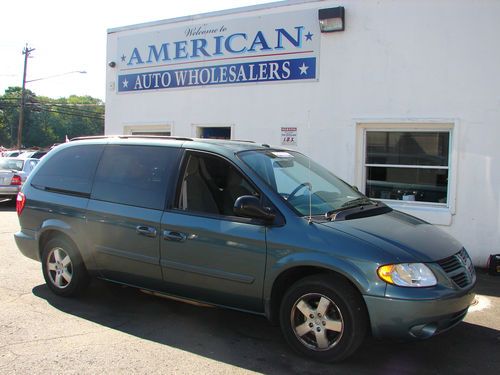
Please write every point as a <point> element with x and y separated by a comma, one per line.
<point>213,132</point>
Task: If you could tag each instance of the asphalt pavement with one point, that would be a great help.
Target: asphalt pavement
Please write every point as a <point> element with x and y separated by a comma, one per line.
<point>113,329</point>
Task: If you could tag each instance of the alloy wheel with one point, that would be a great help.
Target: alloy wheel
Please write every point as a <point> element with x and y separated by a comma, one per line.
<point>317,322</point>
<point>59,267</point>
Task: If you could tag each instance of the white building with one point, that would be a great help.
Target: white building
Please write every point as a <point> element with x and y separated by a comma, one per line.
<point>404,103</point>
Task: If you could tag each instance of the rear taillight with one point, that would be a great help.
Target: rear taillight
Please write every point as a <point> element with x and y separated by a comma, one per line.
<point>20,202</point>
<point>16,180</point>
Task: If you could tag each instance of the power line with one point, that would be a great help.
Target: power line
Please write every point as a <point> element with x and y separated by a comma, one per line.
<point>56,101</point>
<point>65,108</point>
<point>34,104</point>
<point>72,114</point>
<point>62,111</point>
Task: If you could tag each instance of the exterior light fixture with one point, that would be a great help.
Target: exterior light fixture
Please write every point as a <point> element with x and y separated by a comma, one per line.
<point>331,19</point>
<point>112,64</point>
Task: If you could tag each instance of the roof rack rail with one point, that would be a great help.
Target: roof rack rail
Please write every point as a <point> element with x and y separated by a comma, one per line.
<point>242,140</point>
<point>132,137</point>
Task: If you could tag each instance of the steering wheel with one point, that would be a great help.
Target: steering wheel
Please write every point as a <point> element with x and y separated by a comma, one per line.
<point>297,189</point>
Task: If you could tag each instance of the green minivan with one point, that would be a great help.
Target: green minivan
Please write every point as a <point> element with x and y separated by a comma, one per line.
<point>243,226</point>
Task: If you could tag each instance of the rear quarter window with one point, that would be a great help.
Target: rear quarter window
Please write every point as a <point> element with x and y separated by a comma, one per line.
<point>70,170</point>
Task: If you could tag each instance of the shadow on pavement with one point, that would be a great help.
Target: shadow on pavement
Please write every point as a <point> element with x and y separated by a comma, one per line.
<point>487,284</point>
<point>7,204</point>
<point>250,342</point>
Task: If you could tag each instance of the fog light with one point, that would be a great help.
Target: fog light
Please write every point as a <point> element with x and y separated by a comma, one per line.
<point>423,331</point>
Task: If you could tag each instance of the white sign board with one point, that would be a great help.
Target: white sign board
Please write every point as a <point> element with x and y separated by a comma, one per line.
<point>289,136</point>
<point>270,48</point>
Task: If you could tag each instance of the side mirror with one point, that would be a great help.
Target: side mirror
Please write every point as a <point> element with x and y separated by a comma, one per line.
<point>249,206</point>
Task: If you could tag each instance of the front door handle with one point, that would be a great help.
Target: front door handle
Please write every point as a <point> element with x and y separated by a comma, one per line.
<point>146,231</point>
<point>174,236</point>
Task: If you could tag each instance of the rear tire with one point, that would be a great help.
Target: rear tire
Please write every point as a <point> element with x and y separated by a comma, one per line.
<point>63,268</point>
<point>323,317</point>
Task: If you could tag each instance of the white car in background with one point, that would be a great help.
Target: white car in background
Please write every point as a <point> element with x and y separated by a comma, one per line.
<point>13,173</point>
<point>11,153</point>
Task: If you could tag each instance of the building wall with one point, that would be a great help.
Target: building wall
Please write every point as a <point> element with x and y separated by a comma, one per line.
<point>399,64</point>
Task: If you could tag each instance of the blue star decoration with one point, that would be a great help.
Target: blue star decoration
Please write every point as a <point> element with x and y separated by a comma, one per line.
<point>125,83</point>
<point>303,69</point>
<point>309,36</point>
<point>123,58</point>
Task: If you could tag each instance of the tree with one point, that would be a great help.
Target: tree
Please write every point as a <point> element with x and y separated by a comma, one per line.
<point>48,121</point>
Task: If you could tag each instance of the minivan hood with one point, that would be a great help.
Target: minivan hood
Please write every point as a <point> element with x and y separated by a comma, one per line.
<point>407,238</point>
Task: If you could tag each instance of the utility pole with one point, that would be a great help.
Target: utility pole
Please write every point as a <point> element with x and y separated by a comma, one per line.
<point>26,53</point>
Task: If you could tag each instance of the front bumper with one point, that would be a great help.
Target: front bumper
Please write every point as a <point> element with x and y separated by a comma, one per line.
<point>27,243</point>
<point>416,319</point>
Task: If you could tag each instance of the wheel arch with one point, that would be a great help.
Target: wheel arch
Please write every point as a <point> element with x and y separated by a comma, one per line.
<point>74,271</point>
<point>49,234</point>
<point>292,274</point>
<point>58,228</point>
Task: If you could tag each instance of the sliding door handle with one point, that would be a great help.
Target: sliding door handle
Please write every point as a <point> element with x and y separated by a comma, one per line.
<point>146,231</point>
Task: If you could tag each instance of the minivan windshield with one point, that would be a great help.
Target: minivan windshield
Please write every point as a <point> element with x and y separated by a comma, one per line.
<point>308,187</point>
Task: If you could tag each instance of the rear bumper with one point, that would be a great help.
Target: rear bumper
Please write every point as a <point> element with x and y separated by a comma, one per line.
<point>9,190</point>
<point>27,243</point>
<point>416,319</point>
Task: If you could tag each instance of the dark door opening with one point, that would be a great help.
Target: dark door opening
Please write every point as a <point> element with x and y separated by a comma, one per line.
<point>214,132</point>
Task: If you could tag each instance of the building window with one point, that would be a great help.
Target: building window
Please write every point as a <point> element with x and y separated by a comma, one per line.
<point>213,132</point>
<point>407,165</point>
<point>148,129</point>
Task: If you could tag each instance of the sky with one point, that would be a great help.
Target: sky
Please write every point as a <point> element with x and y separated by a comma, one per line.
<point>71,36</point>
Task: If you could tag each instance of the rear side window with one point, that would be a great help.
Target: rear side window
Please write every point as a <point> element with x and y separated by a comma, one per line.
<point>135,175</point>
<point>70,170</point>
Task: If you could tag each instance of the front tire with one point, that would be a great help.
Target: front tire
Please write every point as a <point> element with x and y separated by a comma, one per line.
<point>63,268</point>
<point>324,318</point>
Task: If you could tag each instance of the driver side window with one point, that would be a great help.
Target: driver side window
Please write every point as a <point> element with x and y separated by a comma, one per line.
<point>211,185</point>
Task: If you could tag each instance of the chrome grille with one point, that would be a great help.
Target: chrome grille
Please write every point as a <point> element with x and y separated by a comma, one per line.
<point>459,268</point>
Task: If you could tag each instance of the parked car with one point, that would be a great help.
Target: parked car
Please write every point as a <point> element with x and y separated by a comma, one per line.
<point>39,154</point>
<point>33,154</point>
<point>243,226</point>
<point>11,153</point>
<point>13,173</point>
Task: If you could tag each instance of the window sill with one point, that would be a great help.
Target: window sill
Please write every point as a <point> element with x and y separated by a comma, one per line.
<point>438,215</point>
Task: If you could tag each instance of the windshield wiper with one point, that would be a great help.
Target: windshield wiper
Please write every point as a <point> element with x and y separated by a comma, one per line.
<point>358,203</point>
<point>361,201</point>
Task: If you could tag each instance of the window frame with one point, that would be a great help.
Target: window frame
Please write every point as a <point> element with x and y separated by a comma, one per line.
<point>196,126</point>
<point>174,196</point>
<point>145,128</point>
<point>435,213</point>
<point>38,178</point>
<point>170,175</point>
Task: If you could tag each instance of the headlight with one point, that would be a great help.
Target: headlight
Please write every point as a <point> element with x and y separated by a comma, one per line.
<point>407,274</point>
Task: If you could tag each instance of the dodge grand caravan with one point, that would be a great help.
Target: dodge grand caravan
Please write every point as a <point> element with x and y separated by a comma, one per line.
<point>243,226</point>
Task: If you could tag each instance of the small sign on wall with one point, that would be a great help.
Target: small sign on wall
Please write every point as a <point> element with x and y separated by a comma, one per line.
<point>289,136</point>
